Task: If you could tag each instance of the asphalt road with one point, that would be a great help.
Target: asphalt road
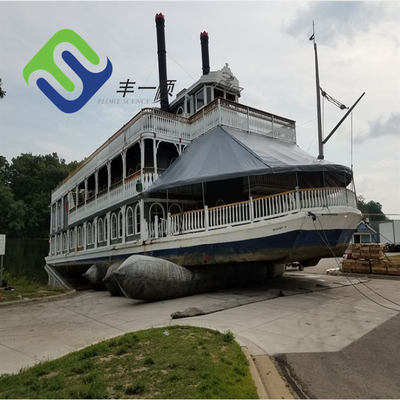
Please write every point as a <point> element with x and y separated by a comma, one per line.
<point>369,368</point>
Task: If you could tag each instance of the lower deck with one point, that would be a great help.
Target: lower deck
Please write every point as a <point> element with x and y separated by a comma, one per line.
<point>300,225</point>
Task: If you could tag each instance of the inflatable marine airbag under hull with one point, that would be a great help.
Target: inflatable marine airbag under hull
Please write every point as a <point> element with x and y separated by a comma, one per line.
<point>110,281</point>
<point>95,275</point>
<point>149,278</point>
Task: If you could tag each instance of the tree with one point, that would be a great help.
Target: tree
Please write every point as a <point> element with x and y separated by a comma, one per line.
<point>372,209</point>
<point>12,213</point>
<point>25,195</point>
<point>2,92</point>
<point>4,170</point>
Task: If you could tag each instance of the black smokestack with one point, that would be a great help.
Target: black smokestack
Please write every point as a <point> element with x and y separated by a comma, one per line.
<point>162,61</point>
<point>204,52</point>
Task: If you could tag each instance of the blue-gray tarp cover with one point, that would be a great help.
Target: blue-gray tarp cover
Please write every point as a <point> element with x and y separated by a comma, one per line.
<point>225,153</point>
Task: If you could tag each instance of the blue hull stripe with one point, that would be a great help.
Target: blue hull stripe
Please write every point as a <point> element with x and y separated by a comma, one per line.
<point>295,245</point>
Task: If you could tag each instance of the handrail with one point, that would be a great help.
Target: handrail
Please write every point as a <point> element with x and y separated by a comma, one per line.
<point>228,205</point>
<point>262,208</point>
<point>133,176</point>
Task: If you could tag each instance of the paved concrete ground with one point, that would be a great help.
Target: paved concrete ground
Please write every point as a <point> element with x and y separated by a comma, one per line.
<point>311,318</point>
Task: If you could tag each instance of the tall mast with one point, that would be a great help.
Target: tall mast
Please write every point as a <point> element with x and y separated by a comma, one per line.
<point>317,86</point>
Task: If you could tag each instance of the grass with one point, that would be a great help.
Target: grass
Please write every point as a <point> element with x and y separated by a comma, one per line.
<point>174,362</point>
<point>26,289</point>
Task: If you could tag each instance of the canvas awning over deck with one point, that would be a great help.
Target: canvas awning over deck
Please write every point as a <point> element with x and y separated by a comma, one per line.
<point>226,153</point>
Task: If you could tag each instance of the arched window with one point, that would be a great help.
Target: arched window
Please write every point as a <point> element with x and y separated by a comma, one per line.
<point>93,232</point>
<point>100,230</point>
<point>79,236</point>
<point>71,239</point>
<point>156,209</point>
<point>120,222</point>
<point>137,218</point>
<point>64,247</point>
<point>89,233</point>
<point>52,245</point>
<point>175,208</point>
<point>129,221</point>
<point>114,227</point>
<point>106,228</point>
<point>58,244</point>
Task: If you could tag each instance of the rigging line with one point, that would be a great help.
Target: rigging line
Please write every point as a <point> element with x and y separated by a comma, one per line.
<point>184,69</point>
<point>143,89</point>
<point>338,264</point>
<point>304,123</point>
<point>312,141</point>
<point>323,116</point>
<point>351,139</point>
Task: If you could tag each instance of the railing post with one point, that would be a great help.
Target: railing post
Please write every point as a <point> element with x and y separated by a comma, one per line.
<point>248,120</point>
<point>206,223</point>
<point>168,224</point>
<point>156,226</point>
<point>95,232</point>
<point>76,238</point>
<point>123,211</point>
<point>251,209</point>
<point>219,111</point>
<point>108,218</point>
<point>272,126</point>
<point>84,235</point>
<point>347,198</point>
<point>297,194</point>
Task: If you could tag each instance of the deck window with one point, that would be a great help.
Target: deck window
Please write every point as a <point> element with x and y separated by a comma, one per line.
<point>137,218</point>
<point>129,221</point>
<point>59,213</point>
<point>120,222</point>
<point>199,99</point>
<point>71,240</point>
<point>64,247</point>
<point>175,208</point>
<point>101,231</point>
<point>54,216</point>
<point>105,228</point>
<point>114,228</point>
<point>89,233</point>
<point>156,209</point>
<point>209,96</point>
<point>79,236</point>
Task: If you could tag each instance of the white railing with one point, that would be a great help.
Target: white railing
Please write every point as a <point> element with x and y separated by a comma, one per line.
<point>117,193</point>
<point>228,215</point>
<point>157,228</point>
<point>255,210</point>
<point>275,205</point>
<point>191,221</point>
<point>156,121</point>
<point>241,117</point>
<point>245,212</point>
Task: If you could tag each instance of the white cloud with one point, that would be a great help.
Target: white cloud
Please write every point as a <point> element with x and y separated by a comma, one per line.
<point>382,127</point>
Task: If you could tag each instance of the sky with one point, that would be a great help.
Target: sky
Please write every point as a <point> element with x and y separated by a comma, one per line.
<point>267,47</point>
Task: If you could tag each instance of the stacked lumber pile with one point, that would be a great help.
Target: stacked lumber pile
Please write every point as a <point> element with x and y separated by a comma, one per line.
<point>369,259</point>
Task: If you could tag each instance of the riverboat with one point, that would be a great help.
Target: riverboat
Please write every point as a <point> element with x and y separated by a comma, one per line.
<point>203,180</point>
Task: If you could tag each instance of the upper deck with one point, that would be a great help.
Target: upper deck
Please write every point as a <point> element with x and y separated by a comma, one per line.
<point>154,123</point>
